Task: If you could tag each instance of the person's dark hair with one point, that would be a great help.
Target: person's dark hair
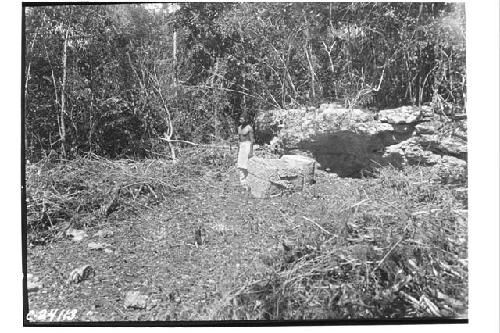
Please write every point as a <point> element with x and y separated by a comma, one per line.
<point>244,119</point>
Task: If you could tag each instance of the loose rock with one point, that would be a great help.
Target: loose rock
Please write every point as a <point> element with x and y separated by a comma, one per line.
<point>105,233</point>
<point>454,147</point>
<point>98,246</point>
<point>427,128</point>
<point>75,234</point>
<point>134,300</point>
<point>33,283</point>
<point>401,115</point>
<point>451,170</point>
<point>81,273</point>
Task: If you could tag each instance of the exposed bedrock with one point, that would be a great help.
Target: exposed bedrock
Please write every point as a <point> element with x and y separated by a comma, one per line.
<point>349,141</point>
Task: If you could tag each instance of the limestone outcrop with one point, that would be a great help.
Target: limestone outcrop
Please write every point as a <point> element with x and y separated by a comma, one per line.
<point>348,141</point>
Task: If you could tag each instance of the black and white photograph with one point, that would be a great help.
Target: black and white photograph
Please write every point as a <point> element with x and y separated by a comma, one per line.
<point>245,163</point>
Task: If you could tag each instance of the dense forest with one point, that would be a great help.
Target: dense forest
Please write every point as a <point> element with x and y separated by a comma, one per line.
<point>130,80</point>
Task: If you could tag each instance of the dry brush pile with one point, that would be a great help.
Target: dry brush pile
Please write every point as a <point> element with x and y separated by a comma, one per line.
<point>394,246</point>
<point>88,190</point>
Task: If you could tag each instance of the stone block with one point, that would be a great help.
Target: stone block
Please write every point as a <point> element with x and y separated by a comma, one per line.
<point>401,115</point>
<point>305,164</point>
<point>272,176</point>
<point>426,128</point>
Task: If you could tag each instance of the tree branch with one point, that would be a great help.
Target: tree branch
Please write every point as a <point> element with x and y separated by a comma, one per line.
<point>184,141</point>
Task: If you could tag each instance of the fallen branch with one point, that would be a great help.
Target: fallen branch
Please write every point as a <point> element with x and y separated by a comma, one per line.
<point>217,146</point>
<point>425,212</point>
<point>359,203</point>
<point>184,141</point>
<point>411,300</point>
<point>387,254</point>
<point>430,306</point>
<point>355,205</point>
<point>152,152</point>
<point>230,90</point>
<point>315,223</point>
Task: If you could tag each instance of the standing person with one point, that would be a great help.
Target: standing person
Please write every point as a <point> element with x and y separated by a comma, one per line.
<point>245,151</point>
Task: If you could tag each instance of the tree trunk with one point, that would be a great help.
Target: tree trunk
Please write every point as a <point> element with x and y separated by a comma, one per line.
<point>26,85</point>
<point>174,57</point>
<point>62,126</point>
<point>28,71</point>
<point>91,120</point>
<point>169,134</point>
<point>311,72</point>
<point>286,75</point>
<point>215,113</point>
<point>292,85</point>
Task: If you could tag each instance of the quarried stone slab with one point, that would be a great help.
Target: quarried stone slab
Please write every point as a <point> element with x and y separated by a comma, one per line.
<point>272,176</point>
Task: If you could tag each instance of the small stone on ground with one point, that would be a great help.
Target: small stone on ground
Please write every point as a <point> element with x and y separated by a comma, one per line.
<point>81,273</point>
<point>76,235</point>
<point>104,233</point>
<point>98,246</point>
<point>134,300</point>
<point>33,283</point>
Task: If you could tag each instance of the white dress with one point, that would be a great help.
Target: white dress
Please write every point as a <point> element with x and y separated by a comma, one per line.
<point>245,148</point>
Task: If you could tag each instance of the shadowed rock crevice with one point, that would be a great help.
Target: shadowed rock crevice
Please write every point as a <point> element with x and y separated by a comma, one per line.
<point>347,153</point>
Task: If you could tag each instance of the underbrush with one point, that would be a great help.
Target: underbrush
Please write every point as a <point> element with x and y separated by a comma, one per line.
<point>88,190</point>
<point>394,246</point>
<point>390,246</point>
